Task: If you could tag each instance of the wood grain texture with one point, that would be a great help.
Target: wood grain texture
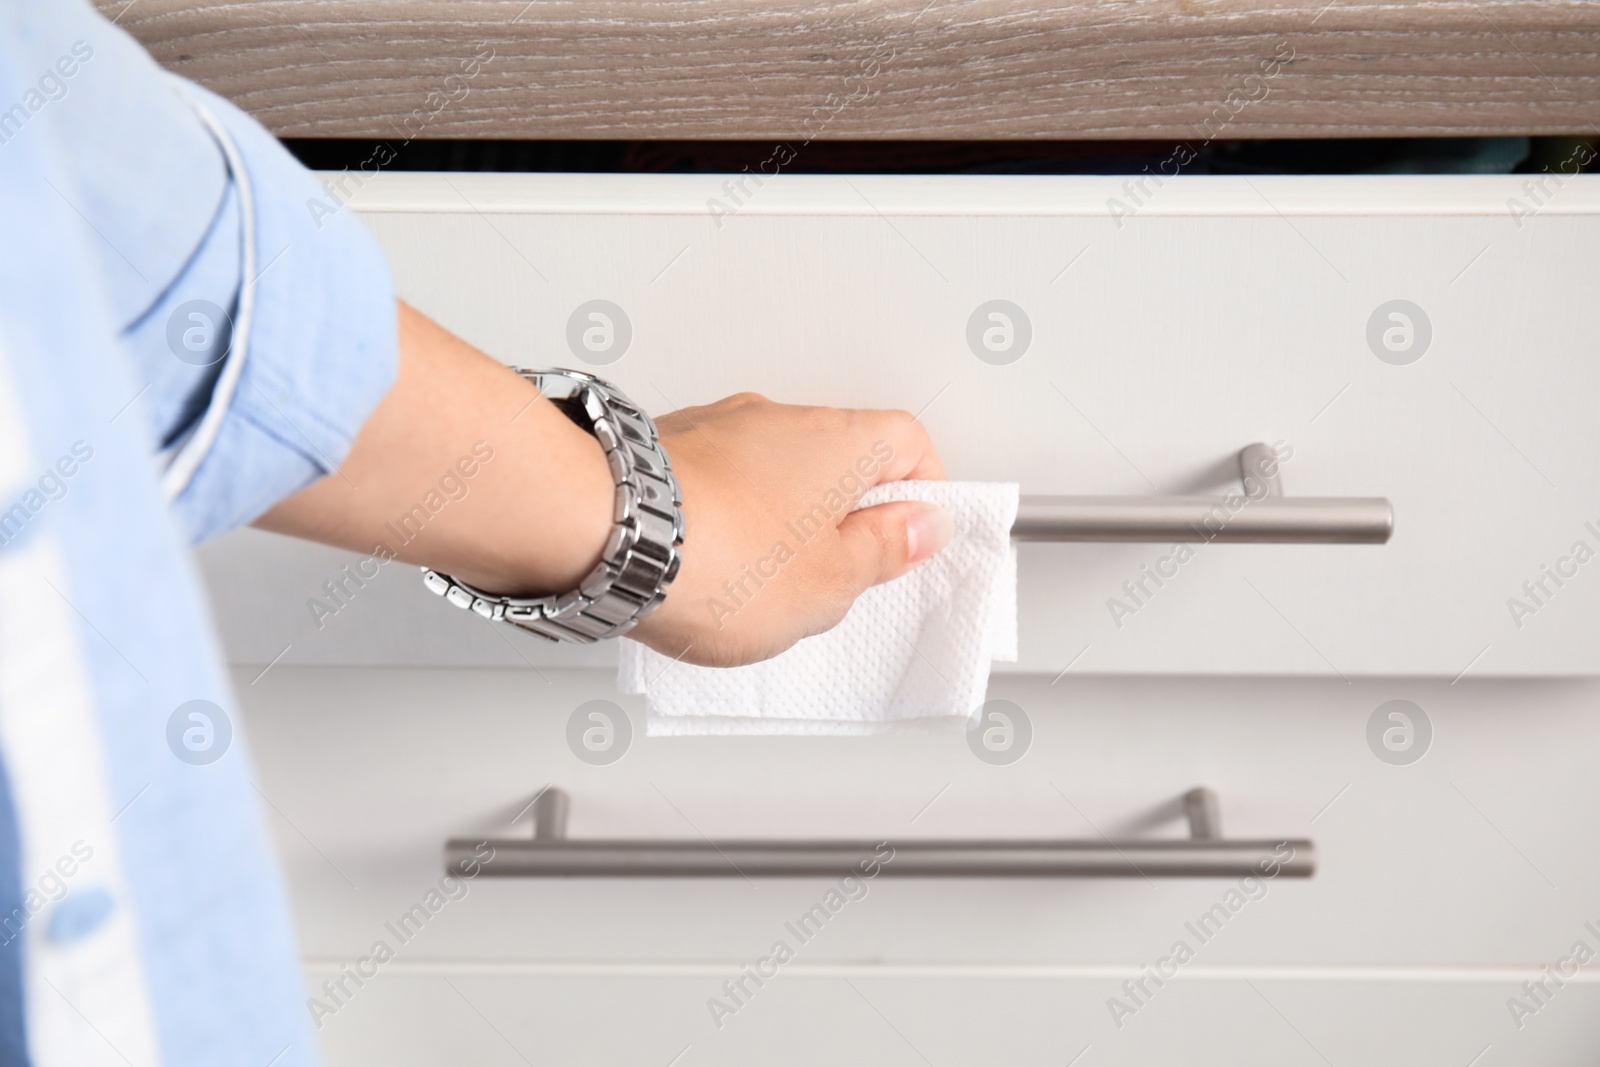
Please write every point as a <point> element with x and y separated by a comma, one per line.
<point>855,69</point>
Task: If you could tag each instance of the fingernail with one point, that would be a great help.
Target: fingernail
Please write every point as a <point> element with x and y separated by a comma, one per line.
<point>929,530</point>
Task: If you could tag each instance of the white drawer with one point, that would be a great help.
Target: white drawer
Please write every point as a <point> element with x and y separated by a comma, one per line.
<point>1442,886</point>
<point>1221,312</point>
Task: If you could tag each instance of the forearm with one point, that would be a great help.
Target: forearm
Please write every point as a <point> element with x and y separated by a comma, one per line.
<point>466,468</point>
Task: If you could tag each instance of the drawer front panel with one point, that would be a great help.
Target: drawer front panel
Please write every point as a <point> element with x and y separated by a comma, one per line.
<point>1443,884</point>
<point>1160,341</point>
<point>370,771</point>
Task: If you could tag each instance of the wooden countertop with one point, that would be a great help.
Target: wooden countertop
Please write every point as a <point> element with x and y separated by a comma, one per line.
<point>886,69</point>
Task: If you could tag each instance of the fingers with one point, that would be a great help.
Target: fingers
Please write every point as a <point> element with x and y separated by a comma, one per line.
<point>755,473</point>
<point>914,455</point>
<point>881,543</point>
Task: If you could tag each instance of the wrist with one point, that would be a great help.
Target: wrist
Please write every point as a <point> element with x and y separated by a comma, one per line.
<point>609,591</point>
<point>556,510</point>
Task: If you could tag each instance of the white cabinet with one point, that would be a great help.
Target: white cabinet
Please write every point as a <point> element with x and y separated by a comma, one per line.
<point>1221,312</point>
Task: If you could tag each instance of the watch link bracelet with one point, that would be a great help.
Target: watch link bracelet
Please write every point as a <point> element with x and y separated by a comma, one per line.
<point>641,556</point>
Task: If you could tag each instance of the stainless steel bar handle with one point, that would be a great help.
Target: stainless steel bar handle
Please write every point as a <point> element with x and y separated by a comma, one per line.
<point>1281,520</point>
<point>943,859</point>
<point>549,854</point>
<point>1263,515</point>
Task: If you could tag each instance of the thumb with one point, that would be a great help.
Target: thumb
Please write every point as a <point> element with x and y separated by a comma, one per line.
<point>883,542</point>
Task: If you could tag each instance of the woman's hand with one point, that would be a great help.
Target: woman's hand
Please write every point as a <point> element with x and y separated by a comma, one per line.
<point>772,551</point>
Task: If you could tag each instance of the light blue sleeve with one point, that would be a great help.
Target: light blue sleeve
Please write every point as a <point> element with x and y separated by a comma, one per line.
<point>321,349</point>
<point>160,212</point>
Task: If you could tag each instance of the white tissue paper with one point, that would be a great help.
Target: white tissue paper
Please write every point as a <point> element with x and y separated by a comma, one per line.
<point>911,655</point>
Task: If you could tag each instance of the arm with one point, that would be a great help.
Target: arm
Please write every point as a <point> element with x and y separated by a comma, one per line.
<point>533,518</point>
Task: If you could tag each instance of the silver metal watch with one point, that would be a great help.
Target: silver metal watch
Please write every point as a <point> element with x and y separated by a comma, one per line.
<point>642,554</point>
